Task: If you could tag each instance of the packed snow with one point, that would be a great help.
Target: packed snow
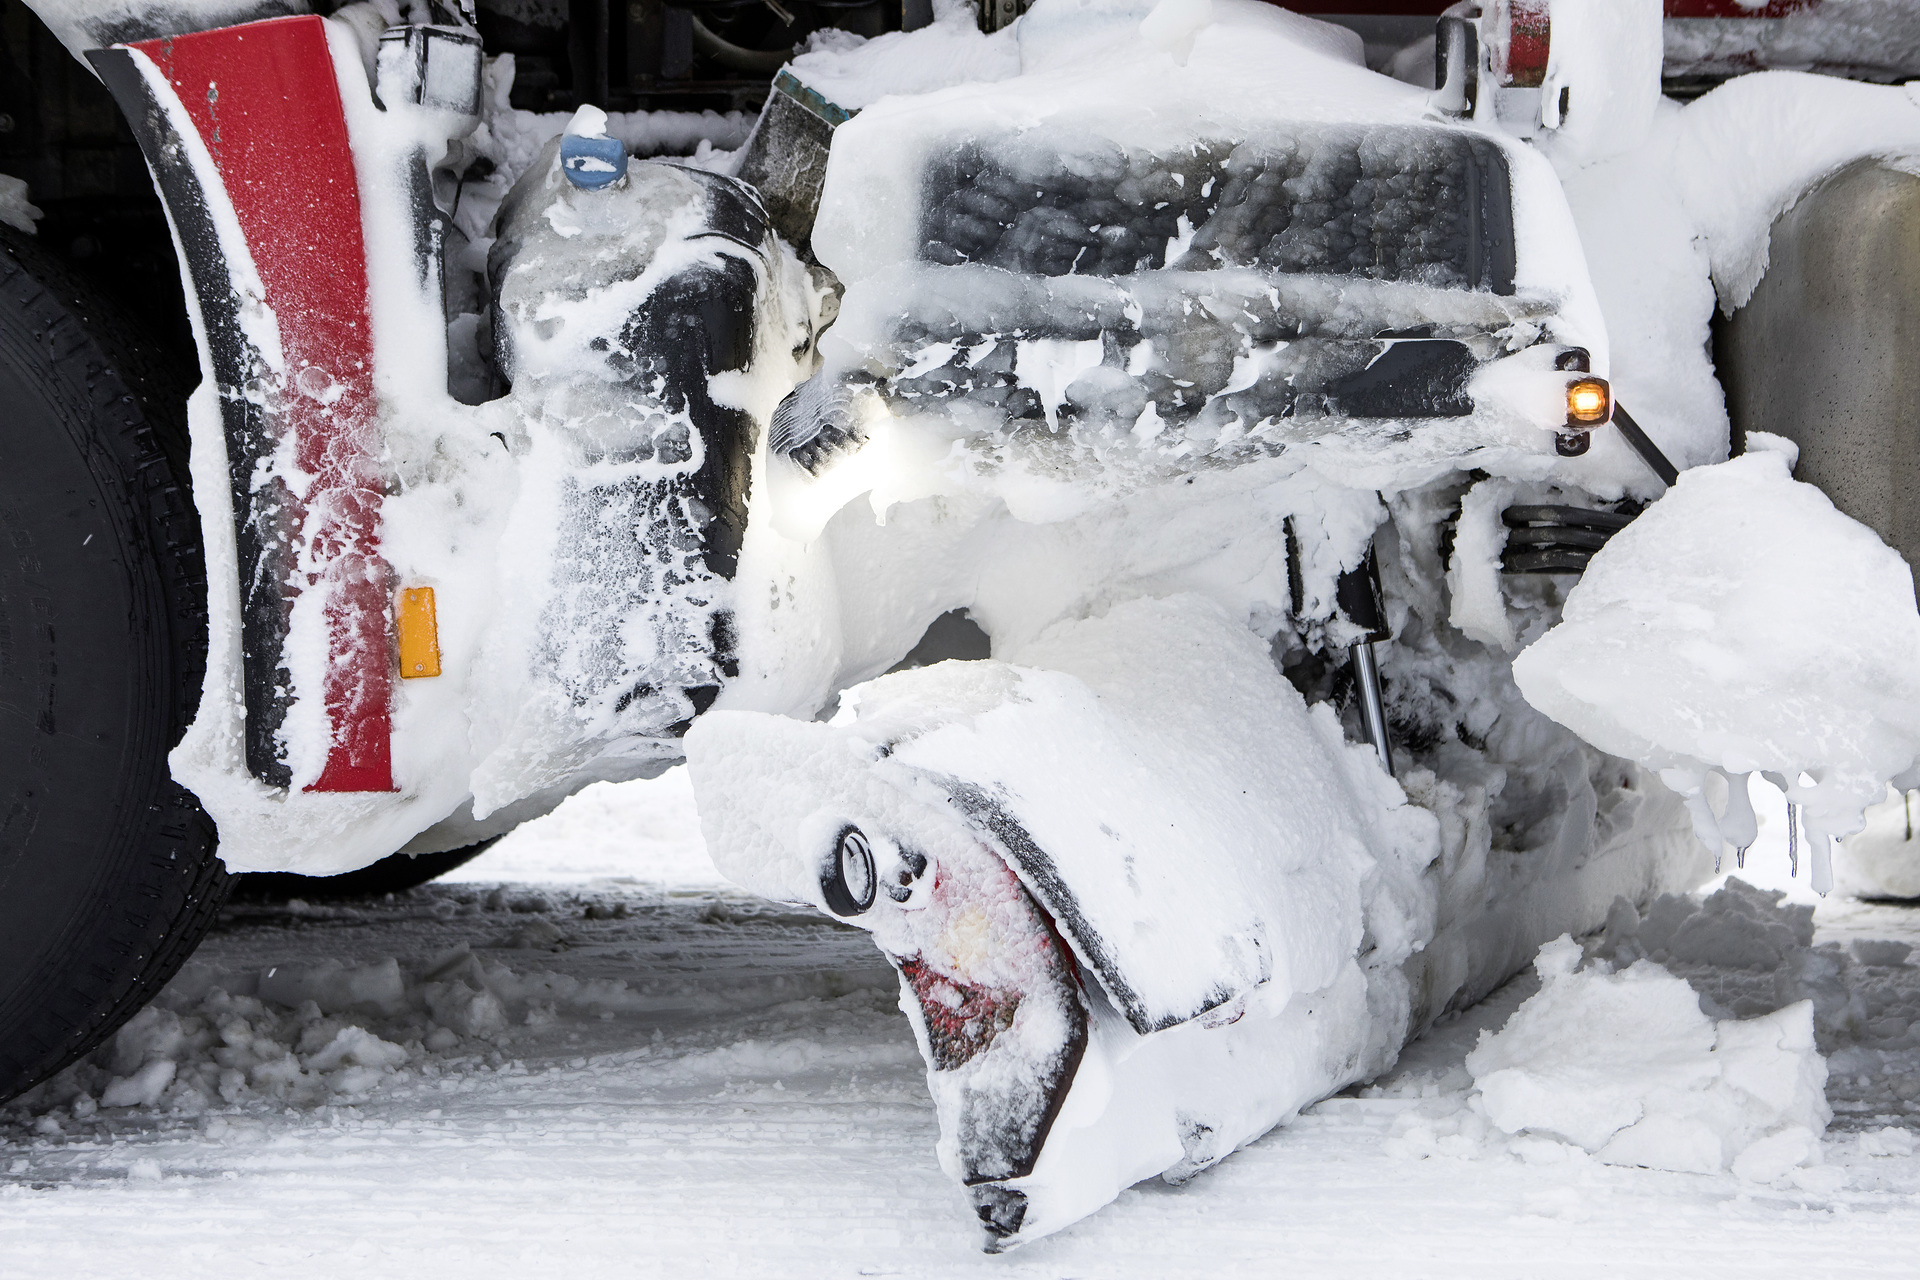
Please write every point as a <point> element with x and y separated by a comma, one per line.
<point>1625,1066</point>
<point>688,1076</point>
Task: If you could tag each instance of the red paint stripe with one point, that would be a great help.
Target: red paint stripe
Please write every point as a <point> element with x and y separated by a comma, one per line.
<point>265,101</point>
<point>1529,37</point>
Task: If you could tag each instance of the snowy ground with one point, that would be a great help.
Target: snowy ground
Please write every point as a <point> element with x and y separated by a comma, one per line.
<point>593,1058</point>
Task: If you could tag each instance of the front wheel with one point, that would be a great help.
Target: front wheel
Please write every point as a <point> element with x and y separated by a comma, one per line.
<point>108,869</point>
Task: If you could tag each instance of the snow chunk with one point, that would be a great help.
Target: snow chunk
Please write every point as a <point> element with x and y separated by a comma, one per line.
<point>1626,1066</point>
<point>141,1089</point>
<point>1743,623</point>
<point>16,210</point>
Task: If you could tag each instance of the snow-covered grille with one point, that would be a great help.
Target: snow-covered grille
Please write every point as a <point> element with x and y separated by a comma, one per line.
<point>1427,205</point>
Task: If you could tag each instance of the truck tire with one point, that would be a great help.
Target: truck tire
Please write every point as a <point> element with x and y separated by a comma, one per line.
<point>109,873</point>
<point>395,873</point>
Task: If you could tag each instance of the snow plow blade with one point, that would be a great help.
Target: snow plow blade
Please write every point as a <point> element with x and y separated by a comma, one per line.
<point>1105,981</point>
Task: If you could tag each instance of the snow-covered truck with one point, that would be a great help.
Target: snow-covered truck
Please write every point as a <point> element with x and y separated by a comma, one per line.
<point>1211,532</point>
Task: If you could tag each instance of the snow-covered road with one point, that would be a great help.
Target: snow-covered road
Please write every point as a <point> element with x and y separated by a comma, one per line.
<point>595,1059</point>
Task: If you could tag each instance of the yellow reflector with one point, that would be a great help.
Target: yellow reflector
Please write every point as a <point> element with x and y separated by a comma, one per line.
<point>419,634</point>
<point>1588,401</point>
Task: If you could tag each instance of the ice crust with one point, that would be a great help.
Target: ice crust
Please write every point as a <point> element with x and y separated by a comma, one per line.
<point>1383,203</point>
<point>1624,1065</point>
<point>1701,639</point>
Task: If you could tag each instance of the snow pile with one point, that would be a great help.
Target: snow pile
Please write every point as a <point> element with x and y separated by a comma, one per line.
<point>308,1034</point>
<point>1747,953</point>
<point>1736,927</point>
<point>1743,623</point>
<point>1624,1065</point>
<point>1614,1036</point>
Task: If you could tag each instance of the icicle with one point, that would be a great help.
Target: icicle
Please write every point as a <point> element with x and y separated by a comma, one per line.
<point>1821,868</point>
<point>1793,840</point>
<point>1740,856</point>
<point>1906,799</point>
<point>1717,855</point>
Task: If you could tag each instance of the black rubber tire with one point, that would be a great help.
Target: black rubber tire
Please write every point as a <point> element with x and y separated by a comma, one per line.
<point>109,873</point>
<point>395,873</point>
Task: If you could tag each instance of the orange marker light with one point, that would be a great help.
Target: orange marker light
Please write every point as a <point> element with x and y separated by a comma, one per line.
<point>1589,402</point>
<point>419,634</point>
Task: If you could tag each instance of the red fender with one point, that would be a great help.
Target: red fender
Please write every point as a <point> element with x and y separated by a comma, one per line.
<point>263,101</point>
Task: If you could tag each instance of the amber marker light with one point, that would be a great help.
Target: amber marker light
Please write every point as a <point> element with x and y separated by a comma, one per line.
<point>1589,402</point>
<point>419,634</point>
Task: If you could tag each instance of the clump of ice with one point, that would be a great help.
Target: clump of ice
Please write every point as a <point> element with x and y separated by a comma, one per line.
<point>1743,623</point>
<point>1623,1064</point>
